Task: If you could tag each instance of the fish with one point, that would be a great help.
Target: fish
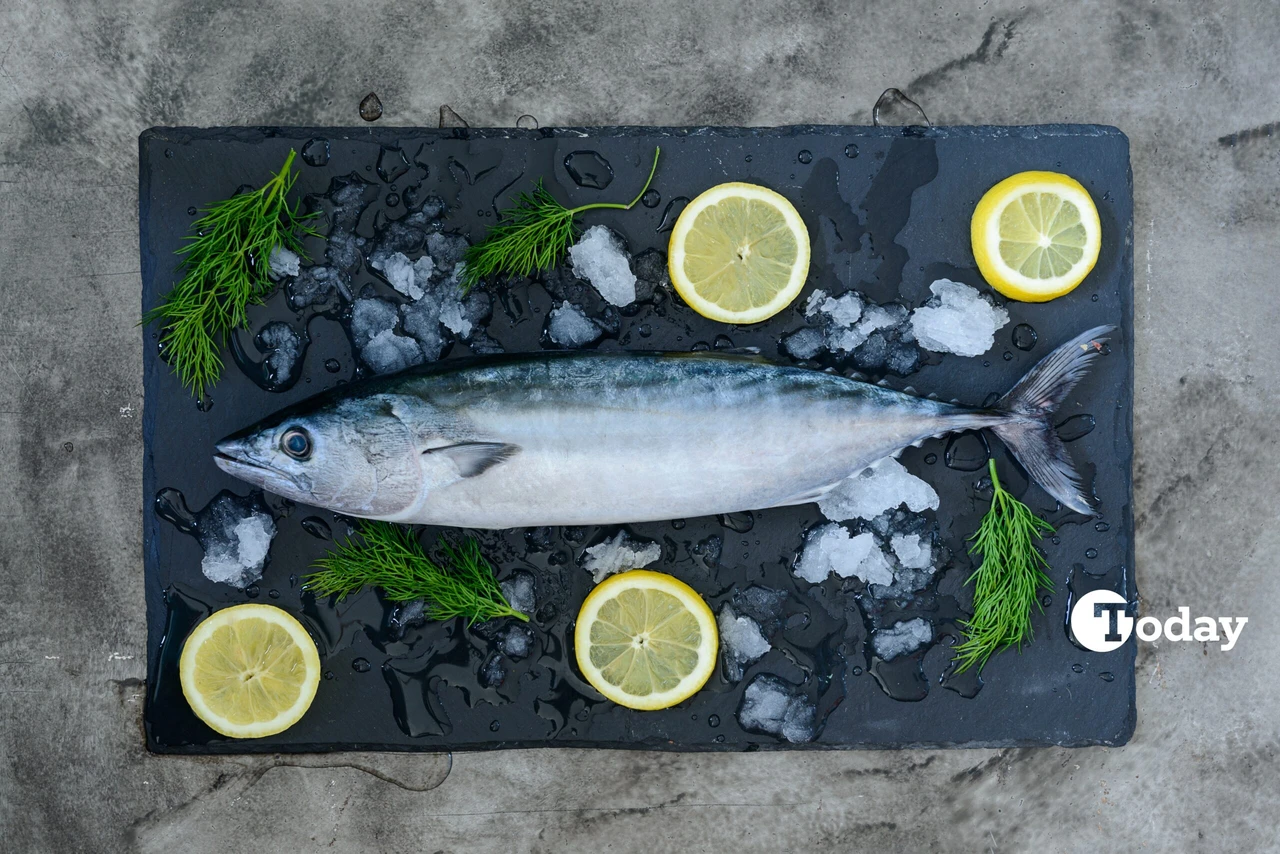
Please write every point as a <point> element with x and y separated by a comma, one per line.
<point>593,438</point>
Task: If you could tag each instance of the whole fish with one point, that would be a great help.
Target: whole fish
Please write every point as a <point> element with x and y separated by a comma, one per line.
<point>587,438</point>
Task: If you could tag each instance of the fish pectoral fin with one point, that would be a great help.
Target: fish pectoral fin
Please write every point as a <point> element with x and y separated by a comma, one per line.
<point>476,458</point>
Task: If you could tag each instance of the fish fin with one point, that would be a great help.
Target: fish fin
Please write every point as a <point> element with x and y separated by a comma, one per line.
<point>476,458</point>
<point>1028,431</point>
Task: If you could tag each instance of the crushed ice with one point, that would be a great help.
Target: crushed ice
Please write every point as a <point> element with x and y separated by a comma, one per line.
<point>884,485</point>
<point>828,549</point>
<point>599,257</point>
<point>618,554</point>
<point>894,554</point>
<point>774,706</point>
<point>957,319</point>
<point>741,641</point>
<point>519,592</point>
<point>901,638</point>
<point>283,262</point>
<point>236,535</point>
<point>570,327</point>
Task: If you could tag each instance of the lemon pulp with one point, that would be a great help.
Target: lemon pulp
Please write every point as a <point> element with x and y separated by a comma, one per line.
<point>646,640</point>
<point>249,671</point>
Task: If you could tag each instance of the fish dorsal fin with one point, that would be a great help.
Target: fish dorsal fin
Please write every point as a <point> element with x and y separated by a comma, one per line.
<point>476,458</point>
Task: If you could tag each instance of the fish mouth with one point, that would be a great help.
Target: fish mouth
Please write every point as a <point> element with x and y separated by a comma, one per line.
<point>234,458</point>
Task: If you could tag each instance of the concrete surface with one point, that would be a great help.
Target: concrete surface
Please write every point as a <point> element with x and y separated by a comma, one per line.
<point>1198,95</point>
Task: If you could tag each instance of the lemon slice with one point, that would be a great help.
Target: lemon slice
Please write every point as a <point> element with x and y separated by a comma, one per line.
<point>646,640</point>
<point>1036,235</point>
<point>250,670</point>
<point>739,253</point>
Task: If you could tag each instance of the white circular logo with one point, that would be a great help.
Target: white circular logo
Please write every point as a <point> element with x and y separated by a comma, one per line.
<point>1100,620</point>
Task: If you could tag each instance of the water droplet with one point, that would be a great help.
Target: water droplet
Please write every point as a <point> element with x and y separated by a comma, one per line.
<point>966,452</point>
<point>851,151</point>
<point>450,119</point>
<point>723,342</point>
<point>527,122</point>
<point>856,671</point>
<point>1057,541</point>
<point>328,674</point>
<point>494,726</point>
<point>930,459</point>
<point>168,152</point>
<point>191,211</point>
<point>738,522</point>
<point>894,109</point>
<point>700,347</point>
<point>171,505</point>
<point>1101,527</point>
<point>805,156</point>
<point>393,199</point>
<point>204,404</point>
<point>360,665</point>
<point>678,524</point>
<point>68,447</point>
<point>316,152</point>
<point>645,330</point>
<point>1078,668</point>
<point>1106,676</point>
<point>1091,553</point>
<point>332,365</point>
<point>252,591</point>
<point>747,158</point>
<point>370,107</point>
<point>273,593</point>
<point>713,721</point>
<point>651,198</point>
<point>986,363</point>
<point>1024,336</point>
<point>1076,427</point>
<point>693,717</point>
<point>719,739</point>
<point>1093,298</point>
<point>317,527</point>
<point>588,169</point>
<point>1046,600</point>
<point>1008,357</point>
<point>672,212</point>
<point>391,163</point>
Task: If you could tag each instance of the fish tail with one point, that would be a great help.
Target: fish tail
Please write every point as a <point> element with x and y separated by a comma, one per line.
<point>1027,429</point>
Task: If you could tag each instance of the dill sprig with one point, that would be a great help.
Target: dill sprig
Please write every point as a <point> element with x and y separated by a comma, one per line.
<point>534,235</point>
<point>1007,582</point>
<point>224,269</point>
<point>389,556</point>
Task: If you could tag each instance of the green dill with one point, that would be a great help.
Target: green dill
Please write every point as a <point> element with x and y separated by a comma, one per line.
<point>225,266</point>
<point>389,556</point>
<point>1006,585</point>
<point>534,235</point>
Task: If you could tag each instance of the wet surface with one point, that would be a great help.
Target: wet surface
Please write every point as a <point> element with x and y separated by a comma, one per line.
<point>886,219</point>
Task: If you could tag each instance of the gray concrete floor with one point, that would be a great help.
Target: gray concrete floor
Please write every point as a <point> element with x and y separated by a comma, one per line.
<point>1198,95</point>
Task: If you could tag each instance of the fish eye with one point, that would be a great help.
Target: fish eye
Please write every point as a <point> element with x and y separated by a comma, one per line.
<point>296,442</point>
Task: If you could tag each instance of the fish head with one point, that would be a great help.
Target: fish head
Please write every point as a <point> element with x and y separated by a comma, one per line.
<point>352,456</point>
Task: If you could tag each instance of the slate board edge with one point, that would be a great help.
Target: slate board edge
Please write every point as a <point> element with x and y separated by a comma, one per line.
<point>254,134</point>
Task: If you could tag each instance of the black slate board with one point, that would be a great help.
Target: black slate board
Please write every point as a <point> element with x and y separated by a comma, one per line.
<point>888,211</point>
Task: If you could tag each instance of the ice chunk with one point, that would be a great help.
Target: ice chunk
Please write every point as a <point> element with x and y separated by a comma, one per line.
<point>405,616</point>
<point>515,641</point>
<point>599,258</point>
<point>913,550</point>
<point>492,673</point>
<point>829,549</point>
<point>370,316</point>
<point>618,554</point>
<point>901,638</point>
<point>446,250</point>
<point>518,591</point>
<point>236,535</point>
<point>283,262</point>
<point>313,285</point>
<point>881,486</point>
<point>454,317</point>
<point>772,705</point>
<point>388,352</point>
<point>804,343</point>
<point>958,320</point>
<point>283,347</point>
<point>569,326</point>
<point>741,641</point>
<point>400,273</point>
<point>762,604</point>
